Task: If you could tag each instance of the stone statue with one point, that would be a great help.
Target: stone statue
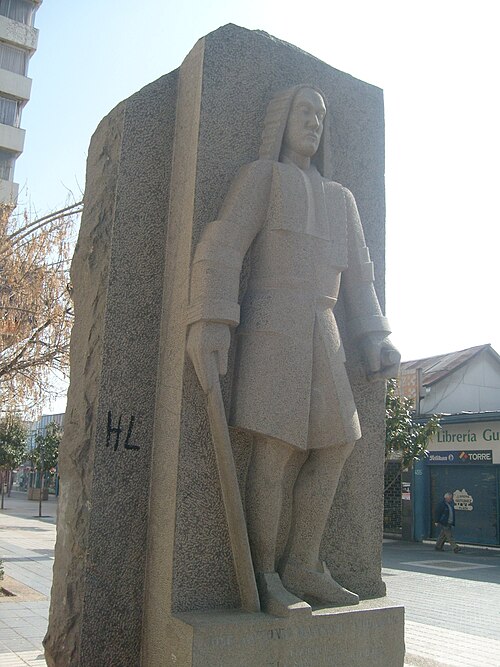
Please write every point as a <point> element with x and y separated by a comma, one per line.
<point>291,389</point>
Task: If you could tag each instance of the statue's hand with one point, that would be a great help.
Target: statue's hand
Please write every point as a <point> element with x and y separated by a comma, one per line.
<point>208,347</point>
<point>381,357</point>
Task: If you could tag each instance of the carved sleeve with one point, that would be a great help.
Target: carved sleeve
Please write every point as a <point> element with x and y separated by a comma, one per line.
<point>219,255</point>
<point>363,309</point>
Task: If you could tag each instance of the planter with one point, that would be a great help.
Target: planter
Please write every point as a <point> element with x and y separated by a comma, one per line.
<point>34,494</point>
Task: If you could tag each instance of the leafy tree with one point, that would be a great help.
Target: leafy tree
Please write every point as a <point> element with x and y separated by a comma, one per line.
<point>35,304</point>
<point>44,456</point>
<point>46,451</point>
<point>406,438</point>
<point>12,446</point>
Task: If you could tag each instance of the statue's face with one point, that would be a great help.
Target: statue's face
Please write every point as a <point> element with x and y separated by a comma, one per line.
<point>305,123</point>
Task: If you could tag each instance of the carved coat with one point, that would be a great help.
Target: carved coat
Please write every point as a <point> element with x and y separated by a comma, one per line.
<point>306,240</point>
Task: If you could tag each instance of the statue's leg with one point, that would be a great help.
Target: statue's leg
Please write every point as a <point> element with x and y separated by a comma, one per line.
<point>313,495</point>
<point>264,498</point>
<point>302,572</point>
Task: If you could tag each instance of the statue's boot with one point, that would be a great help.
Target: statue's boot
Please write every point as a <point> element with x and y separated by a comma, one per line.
<point>276,600</point>
<point>316,587</point>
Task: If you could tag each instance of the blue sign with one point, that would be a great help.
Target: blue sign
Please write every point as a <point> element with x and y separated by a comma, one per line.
<point>461,457</point>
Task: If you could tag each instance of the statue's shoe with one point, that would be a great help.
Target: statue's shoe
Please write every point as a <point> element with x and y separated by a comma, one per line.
<point>316,587</point>
<point>276,600</point>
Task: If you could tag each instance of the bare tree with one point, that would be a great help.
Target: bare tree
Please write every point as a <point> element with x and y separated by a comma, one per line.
<point>35,305</point>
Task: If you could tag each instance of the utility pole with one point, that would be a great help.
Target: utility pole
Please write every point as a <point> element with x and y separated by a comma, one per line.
<point>42,464</point>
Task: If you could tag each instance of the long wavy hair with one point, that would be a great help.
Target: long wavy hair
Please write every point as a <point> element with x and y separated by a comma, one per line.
<point>275,122</point>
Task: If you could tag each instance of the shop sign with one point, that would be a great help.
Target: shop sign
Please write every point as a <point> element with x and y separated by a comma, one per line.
<point>461,457</point>
<point>484,435</point>
<point>463,501</point>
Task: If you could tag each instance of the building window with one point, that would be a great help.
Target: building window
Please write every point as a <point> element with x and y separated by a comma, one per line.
<point>18,10</point>
<point>7,161</point>
<point>9,111</point>
<point>13,59</point>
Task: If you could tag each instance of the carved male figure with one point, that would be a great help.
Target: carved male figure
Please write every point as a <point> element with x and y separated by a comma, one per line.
<point>291,389</point>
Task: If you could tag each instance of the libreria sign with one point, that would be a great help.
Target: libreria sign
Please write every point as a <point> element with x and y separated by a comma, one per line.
<point>487,435</point>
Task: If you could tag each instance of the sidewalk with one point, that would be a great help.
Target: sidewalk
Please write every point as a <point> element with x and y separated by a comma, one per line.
<point>452,601</point>
<point>27,551</point>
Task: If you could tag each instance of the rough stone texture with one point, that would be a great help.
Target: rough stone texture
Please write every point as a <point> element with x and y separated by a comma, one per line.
<point>89,270</point>
<point>121,574</point>
<point>117,276</point>
<point>115,566</point>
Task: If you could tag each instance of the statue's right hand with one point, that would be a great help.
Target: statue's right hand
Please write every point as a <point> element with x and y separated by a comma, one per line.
<point>208,348</point>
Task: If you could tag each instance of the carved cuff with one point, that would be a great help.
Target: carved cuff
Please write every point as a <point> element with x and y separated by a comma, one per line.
<point>225,312</point>
<point>359,326</point>
<point>366,272</point>
<point>218,256</point>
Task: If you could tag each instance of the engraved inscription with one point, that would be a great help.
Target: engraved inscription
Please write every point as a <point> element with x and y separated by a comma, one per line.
<point>294,646</point>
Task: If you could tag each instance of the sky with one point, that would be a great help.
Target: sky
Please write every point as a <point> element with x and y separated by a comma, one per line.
<point>437,62</point>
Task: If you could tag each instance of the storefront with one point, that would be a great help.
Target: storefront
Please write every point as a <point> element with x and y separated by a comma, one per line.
<point>464,458</point>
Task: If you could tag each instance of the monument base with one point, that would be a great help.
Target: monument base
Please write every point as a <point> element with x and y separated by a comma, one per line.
<point>371,633</point>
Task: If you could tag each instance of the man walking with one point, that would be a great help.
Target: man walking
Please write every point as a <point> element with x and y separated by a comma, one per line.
<point>445,518</point>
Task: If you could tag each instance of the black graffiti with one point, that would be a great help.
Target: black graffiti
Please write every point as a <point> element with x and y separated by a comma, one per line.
<point>117,432</point>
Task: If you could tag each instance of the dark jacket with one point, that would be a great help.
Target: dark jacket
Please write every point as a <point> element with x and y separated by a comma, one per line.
<point>441,515</point>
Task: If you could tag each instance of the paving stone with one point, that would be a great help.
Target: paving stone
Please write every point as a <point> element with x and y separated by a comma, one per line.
<point>452,614</point>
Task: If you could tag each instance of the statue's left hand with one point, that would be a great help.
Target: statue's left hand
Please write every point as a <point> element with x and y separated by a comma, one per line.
<point>381,357</point>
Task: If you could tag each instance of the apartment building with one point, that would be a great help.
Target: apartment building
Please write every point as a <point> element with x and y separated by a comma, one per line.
<point>18,42</point>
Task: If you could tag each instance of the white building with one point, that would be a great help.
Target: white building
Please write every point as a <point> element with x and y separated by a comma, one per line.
<point>456,382</point>
<point>18,42</point>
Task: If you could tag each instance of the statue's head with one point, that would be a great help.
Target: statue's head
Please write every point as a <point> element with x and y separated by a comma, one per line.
<point>294,117</point>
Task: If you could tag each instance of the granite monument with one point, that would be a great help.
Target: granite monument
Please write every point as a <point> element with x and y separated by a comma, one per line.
<point>216,231</point>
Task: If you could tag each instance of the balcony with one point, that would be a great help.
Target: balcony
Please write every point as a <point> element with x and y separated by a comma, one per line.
<point>15,85</point>
<point>8,192</point>
<point>12,138</point>
<point>18,34</point>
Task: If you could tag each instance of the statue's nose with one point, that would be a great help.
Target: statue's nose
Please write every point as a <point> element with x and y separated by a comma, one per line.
<point>313,122</point>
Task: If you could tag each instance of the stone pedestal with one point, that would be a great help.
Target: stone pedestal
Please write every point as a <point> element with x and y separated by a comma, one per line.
<point>371,634</point>
<point>142,536</point>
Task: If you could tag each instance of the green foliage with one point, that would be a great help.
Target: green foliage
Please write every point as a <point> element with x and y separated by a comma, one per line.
<point>46,451</point>
<point>12,442</point>
<point>406,438</point>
